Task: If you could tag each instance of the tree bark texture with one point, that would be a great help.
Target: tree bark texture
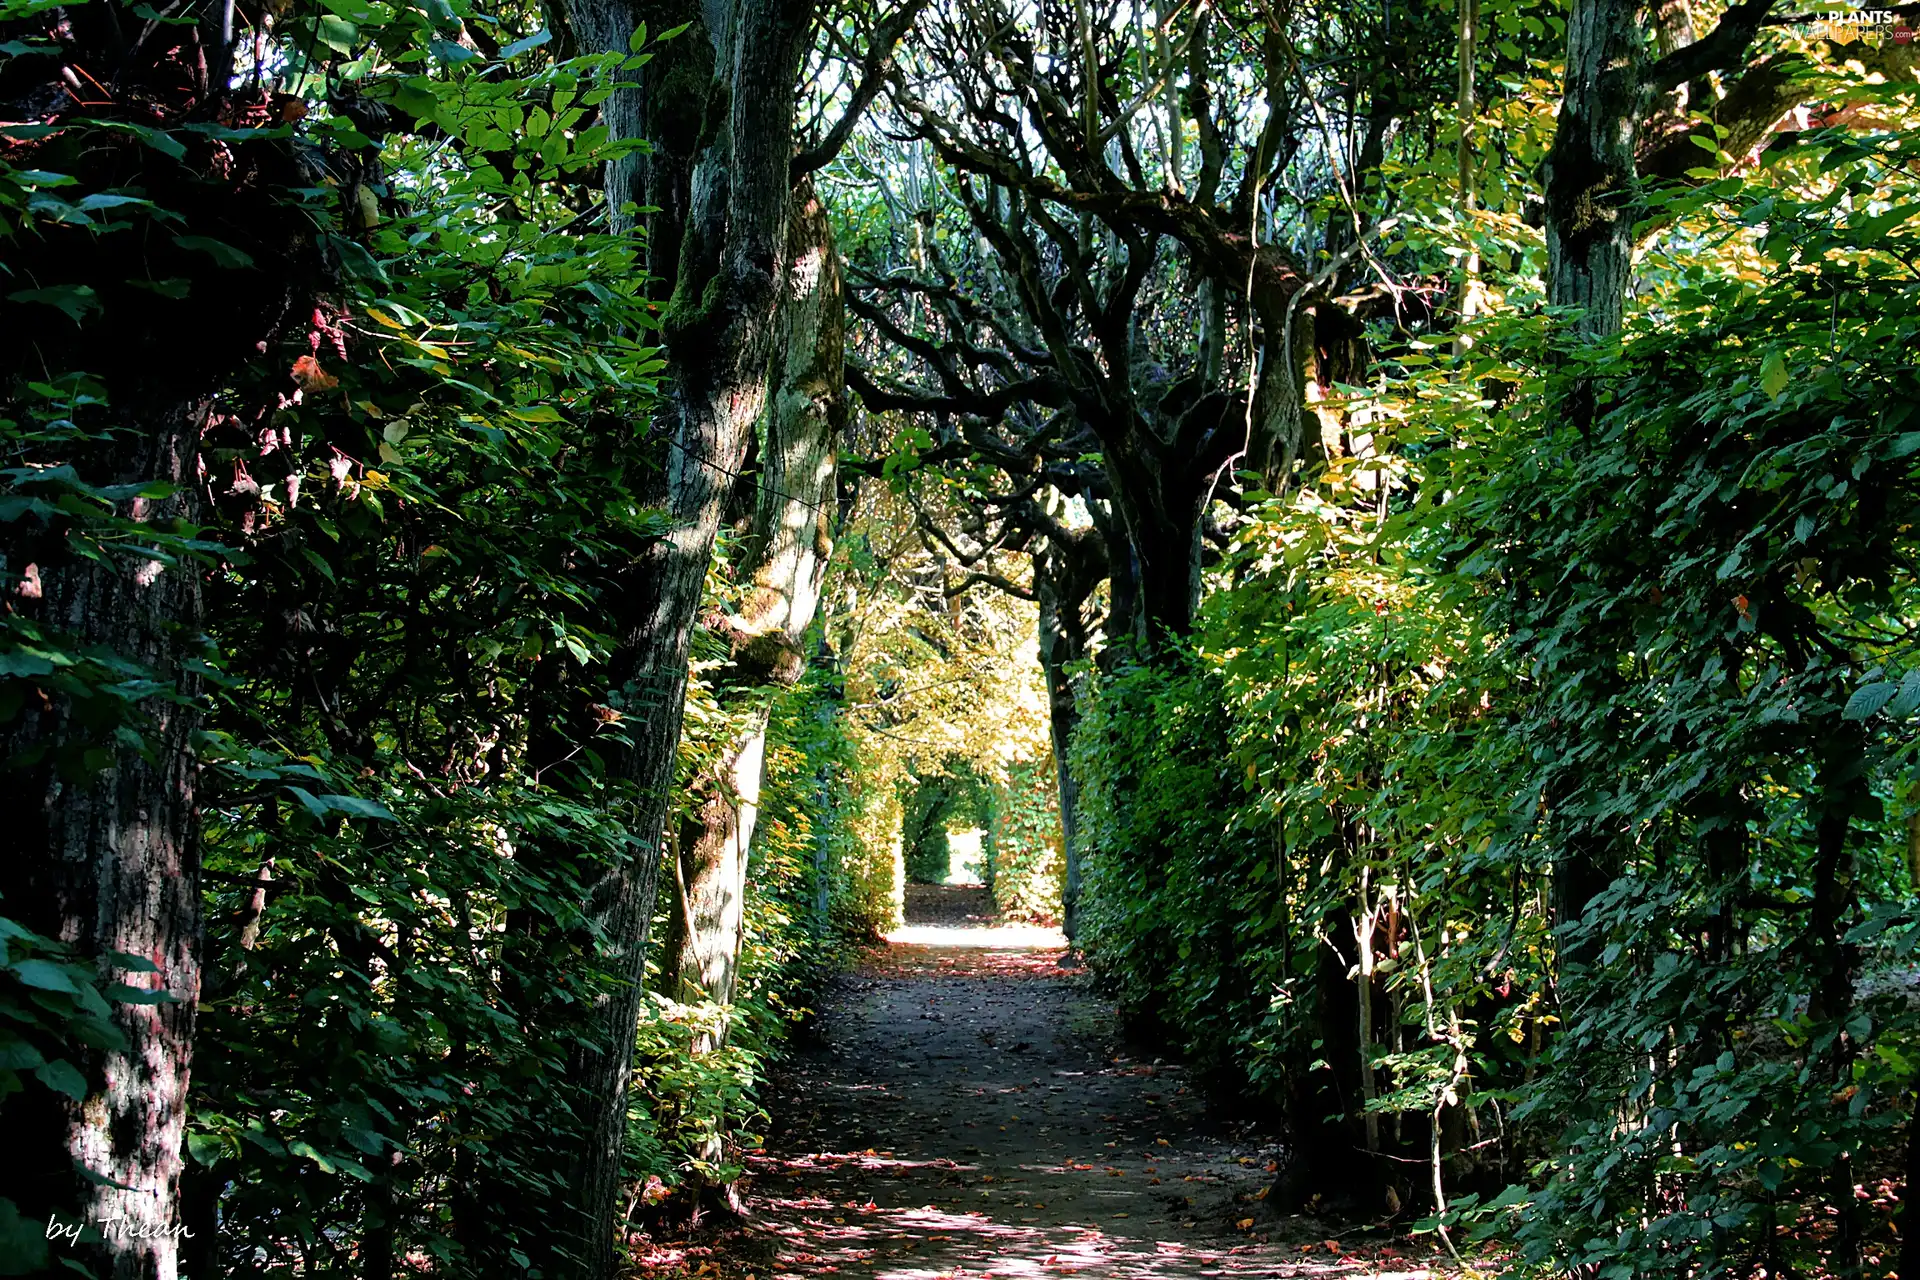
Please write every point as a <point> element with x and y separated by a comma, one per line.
<point>1161,499</point>
<point>718,330</point>
<point>784,563</point>
<point>663,102</point>
<point>1590,169</point>
<point>103,855</point>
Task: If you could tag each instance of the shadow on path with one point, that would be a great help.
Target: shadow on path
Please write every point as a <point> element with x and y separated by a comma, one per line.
<point>960,1115</point>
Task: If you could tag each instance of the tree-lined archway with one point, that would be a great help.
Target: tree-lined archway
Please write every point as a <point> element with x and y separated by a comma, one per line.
<point>518,528</point>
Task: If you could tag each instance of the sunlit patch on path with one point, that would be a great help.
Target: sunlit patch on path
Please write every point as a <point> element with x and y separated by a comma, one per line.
<point>961,1117</point>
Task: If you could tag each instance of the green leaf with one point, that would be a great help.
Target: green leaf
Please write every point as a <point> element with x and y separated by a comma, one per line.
<point>337,33</point>
<point>363,1139</point>
<point>21,663</point>
<point>17,1055</point>
<point>310,801</point>
<point>355,260</point>
<point>223,253</point>
<point>61,1077</point>
<point>161,141</point>
<point>1868,699</point>
<point>1907,701</point>
<point>518,47</point>
<point>111,200</point>
<point>454,55</point>
<point>151,14</point>
<point>307,1149</point>
<point>46,976</point>
<point>321,805</point>
<point>1773,375</point>
<point>74,299</point>
<point>360,807</point>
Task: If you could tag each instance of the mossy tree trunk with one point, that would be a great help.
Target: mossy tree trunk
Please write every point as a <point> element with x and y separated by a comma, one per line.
<point>785,560</point>
<point>718,331</point>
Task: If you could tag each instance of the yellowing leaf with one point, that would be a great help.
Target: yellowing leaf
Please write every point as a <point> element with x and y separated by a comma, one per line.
<point>1773,375</point>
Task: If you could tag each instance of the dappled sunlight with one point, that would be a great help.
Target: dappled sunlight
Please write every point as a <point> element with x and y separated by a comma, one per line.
<point>989,957</point>
<point>980,937</point>
<point>927,1242</point>
<point>951,1126</point>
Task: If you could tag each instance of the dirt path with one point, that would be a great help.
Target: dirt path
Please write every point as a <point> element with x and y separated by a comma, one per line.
<point>962,1114</point>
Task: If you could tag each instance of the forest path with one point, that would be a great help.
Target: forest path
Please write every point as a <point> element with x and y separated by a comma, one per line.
<point>962,1114</point>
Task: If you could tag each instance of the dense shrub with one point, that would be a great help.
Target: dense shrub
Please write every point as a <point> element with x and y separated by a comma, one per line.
<point>1547,819</point>
<point>1025,862</point>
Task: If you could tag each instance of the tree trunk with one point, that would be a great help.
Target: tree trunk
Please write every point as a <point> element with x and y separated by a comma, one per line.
<point>1066,572</point>
<point>1160,500</point>
<point>1123,580</point>
<point>666,105</point>
<point>1842,787</point>
<point>785,562</point>
<point>1590,170</point>
<point>1591,204</point>
<point>103,855</point>
<point>1463,160</point>
<point>704,931</point>
<point>1063,717</point>
<point>718,330</point>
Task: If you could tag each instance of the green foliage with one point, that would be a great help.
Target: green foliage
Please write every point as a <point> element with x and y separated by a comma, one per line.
<point>1527,817</point>
<point>1158,842</point>
<point>1552,809</point>
<point>417,507</point>
<point>1025,863</point>
<point>924,813</point>
<point>1711,595</point>
<point>51,1001</point>
<point>416,614</point>
<point>955,797</point>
